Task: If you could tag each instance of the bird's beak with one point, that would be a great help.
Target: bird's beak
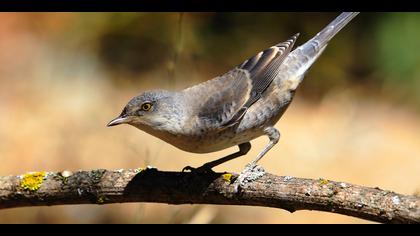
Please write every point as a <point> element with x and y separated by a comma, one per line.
<point>117,121</point>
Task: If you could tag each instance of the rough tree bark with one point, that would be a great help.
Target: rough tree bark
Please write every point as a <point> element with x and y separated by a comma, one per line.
<point>150,185</point>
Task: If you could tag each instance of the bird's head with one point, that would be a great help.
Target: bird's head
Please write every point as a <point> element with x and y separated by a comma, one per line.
<point>156,109</point>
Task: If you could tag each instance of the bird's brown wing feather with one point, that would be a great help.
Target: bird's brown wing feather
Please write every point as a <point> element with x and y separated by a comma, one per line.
<point>224,100</point>
<point>263,69</point>
<point>217,100</point>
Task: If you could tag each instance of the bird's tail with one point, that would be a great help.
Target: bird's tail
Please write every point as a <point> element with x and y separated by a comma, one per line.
<point>301,59</point>
<point>318,43</point>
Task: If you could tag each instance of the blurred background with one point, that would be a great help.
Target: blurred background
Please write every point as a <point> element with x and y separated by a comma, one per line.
<point>63,76</point>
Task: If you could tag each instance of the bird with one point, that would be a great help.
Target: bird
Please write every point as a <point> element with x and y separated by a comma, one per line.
<point>234,108</point>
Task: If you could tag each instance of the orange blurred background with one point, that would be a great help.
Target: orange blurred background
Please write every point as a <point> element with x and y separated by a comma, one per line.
<point>63,76</point>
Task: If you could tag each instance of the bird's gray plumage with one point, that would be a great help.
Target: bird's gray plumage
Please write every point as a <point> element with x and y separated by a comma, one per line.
<point>236,107</point>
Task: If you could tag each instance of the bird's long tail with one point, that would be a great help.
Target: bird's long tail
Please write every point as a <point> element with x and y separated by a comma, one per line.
<point>301,59</point>
<point>317,43</point>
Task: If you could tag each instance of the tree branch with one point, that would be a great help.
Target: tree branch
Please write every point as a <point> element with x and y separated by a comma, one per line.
<point>151,185</point>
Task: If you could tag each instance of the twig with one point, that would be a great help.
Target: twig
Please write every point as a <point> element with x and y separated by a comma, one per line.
<point>150,185</point>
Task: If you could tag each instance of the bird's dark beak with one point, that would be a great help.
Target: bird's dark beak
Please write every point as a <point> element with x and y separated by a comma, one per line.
<point>117,121</point>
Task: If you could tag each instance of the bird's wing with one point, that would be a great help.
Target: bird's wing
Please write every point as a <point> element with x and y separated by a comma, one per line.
<point>263,68</point>
<point>224,100</point>
<point>217,100</point>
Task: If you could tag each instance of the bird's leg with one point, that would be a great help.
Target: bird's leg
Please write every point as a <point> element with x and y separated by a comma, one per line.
<point>243,150</point>
<point>252,171</point>
<point>274,136</point>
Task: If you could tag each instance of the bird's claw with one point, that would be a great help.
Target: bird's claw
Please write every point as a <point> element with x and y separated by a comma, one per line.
<point>202,169</point>
<point>249,174</point>
<point>188,168</point>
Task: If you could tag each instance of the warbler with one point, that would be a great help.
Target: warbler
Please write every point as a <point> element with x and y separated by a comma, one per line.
<point>234,108</point>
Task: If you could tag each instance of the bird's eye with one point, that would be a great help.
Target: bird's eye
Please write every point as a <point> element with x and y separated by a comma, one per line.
<point>146,106</point>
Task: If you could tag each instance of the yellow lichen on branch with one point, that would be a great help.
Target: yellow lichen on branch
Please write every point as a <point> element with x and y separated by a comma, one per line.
<point>32,181</point>
<point>227,177</point>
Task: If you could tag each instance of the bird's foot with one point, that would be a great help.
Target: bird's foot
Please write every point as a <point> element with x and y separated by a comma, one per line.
<point>204,169</point>
<point>251,173</point>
